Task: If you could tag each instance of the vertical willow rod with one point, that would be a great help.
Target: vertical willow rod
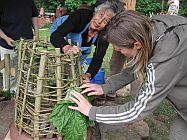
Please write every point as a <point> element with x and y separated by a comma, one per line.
<point>38,95</point>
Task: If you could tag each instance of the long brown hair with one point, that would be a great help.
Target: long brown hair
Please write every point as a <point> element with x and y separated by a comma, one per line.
<point>125,29</point>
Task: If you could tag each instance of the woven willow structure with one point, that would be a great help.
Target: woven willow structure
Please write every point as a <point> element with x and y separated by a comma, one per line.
<point>44,75</point>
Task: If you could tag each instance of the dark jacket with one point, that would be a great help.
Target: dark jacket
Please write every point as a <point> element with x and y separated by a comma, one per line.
<point>16,19</point>
<point>75,23</point>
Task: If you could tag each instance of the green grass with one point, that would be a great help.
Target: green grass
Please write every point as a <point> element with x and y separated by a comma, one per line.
<point>43,33</point>
<point>166,109</point>
<point>106,60</point>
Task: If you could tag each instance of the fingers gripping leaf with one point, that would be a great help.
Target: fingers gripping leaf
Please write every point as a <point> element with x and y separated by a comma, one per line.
<point>70,123</point>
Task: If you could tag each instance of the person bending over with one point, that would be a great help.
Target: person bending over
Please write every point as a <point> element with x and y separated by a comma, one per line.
<point>84,27</point>
<point>156,52</point>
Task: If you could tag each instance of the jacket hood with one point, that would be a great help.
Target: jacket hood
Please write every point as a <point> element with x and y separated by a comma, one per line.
<point>173,42</point>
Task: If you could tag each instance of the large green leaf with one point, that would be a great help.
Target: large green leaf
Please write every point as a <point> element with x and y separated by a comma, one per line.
<point>70,123</point>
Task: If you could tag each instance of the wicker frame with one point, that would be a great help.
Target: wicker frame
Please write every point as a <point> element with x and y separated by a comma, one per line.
<point>44,75</point>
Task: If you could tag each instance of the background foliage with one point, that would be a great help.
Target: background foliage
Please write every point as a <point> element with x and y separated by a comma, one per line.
<point>143,6</point>
<point>73,4</point>
<point>148,6</point>
<point>51,5</point>
<point>155,6</point>
<point>183,7</point>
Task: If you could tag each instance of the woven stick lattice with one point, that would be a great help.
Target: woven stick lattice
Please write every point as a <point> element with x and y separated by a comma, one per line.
<point>44,75</point>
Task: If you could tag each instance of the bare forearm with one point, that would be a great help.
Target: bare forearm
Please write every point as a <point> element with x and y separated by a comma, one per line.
<point>35,26</point>
<point>3,35</point>
<point>9,40</point>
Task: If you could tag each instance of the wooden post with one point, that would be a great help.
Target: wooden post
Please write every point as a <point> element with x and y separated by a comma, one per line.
<point>20,67</point>
<point>38,95</point>
<point>79,67</point>
<point>21,55</point>
<point>79,70</point>
<point>72,65</point>
<point>58,75</point>
<point>7,72</point>
<point>20,64</point>
<point>26,87</point>
<point>73,69</point>
<point>46,89</point>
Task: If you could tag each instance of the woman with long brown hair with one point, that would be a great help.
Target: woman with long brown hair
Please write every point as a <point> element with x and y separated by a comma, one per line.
<point>157,52</point>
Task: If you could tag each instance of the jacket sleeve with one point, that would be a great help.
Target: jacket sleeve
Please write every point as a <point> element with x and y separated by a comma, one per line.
<point>100,51</point>
<point>118,81</point>
<point>57,37</point>
<point>160,80</point>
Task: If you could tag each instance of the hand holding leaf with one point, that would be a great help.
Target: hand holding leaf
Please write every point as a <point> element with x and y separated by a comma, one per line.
<point>83,105</point>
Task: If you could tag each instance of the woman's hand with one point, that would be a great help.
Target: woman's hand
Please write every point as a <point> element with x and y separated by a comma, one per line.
<point>86,77</point>
<point>83,105</point>
<point>10,41</point>
<point>92,89</point>
<point>69,49</point>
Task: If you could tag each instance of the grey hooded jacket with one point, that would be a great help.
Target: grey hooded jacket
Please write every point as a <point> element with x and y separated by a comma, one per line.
<point>166,77</point>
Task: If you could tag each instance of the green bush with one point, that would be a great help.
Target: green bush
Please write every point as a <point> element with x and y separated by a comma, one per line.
<point>51,5</point>
<point>143,6</point>
<point>155,6</point>
<point>183,7</point>
<point>72,4</point>
<point>148,6</point>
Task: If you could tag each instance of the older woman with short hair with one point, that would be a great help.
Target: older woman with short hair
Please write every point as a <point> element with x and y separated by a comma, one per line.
<point>84,26</point>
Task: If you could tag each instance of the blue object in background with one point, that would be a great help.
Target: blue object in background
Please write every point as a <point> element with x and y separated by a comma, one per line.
<point>99,77</point>
<point>88,61</point>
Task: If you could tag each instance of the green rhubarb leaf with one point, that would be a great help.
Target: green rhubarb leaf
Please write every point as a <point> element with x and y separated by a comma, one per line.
<point>77,127</point>
<point>70,123</point>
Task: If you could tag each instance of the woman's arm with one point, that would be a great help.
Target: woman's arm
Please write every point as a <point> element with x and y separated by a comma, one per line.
<point>35,21</point>
<point>157,85</point>
<point>6,38</point>
<point>97,60</point>
<point>118,81</point>
<point>76,22</point>
<point>160,80</point>
<point>36,29</point>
